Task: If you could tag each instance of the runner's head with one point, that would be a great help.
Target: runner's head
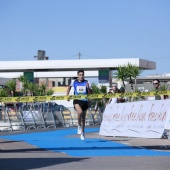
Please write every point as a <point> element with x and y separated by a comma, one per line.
<point>80,75</point>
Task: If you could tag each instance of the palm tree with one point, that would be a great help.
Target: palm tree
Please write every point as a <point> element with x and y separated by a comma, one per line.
<point>3,93</point>
<point>25,83</point>
<point>97,90</point>
<point>42,89</point>
<point>165,87</point>
<point>103,90</point>
<point>120,74</point>
<point>11,86</point>
<point>133,71</point>
<point>49,92</point>
<point>128,69</point>
<point>33,88</point>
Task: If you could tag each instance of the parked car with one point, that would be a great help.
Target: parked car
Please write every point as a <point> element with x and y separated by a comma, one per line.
<point>13,106</point>
<point>53,106</point>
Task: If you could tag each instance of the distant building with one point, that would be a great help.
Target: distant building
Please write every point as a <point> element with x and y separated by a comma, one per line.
<point>56,73</point>
<point>41,55</point>
<point>3,81</point>
<point>144,83</point>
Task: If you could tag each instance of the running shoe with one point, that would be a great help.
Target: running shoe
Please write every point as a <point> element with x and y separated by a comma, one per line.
<point>79,130</point>
<point>82,137</point>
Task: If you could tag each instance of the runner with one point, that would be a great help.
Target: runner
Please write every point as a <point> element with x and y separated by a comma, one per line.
<point>81,86</point>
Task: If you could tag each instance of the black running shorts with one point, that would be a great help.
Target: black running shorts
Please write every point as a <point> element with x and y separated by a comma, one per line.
<point>83,104</point>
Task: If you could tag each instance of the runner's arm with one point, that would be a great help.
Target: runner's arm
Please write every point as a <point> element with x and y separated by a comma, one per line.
<point>89,88</point>
<point>68,90</point>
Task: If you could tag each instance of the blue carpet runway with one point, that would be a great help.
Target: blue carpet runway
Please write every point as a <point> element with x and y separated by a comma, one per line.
<point>59,141</point>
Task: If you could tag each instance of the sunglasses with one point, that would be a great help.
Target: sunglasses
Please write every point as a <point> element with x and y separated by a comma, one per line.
<point>155,83</point>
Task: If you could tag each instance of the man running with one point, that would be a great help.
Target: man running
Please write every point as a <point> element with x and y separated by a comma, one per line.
<point>81,86</point>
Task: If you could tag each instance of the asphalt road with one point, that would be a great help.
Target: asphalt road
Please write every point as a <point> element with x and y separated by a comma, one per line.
<point>19,155</point>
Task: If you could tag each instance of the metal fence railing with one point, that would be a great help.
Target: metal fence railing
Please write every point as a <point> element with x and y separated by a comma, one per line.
<point>43,115</point>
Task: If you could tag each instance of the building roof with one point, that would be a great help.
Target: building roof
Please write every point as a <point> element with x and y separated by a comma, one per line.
<point>3,81</point>
<point>53,74</point>
<point>72,65</point>
<point>150,78</point>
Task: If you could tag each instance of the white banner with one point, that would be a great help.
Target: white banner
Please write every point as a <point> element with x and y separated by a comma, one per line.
<point>146,119</point>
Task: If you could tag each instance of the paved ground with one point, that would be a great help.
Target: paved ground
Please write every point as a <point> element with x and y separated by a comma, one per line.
<point>19,155</point>
<point>155,144</point>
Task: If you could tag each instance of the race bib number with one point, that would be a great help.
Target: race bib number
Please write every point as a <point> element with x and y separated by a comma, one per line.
<point>81,89</point>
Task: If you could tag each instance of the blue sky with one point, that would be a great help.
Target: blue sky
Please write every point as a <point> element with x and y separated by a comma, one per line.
<point>95,28</point>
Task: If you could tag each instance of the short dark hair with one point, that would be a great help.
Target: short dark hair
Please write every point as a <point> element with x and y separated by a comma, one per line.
<point>156,80</point>
<point>80,71</point>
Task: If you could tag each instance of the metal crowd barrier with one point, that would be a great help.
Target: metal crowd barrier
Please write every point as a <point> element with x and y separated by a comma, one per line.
<point>42,115</point>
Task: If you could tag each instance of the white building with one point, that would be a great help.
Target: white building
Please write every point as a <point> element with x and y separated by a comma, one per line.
<point>61,72</point>
<point>66,69</point>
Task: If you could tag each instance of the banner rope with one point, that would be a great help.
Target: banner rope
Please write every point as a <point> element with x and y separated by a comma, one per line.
<point>89,96</point>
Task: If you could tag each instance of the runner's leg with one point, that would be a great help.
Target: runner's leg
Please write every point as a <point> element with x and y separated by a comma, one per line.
<point>79,113</point>
<point>83,118</point>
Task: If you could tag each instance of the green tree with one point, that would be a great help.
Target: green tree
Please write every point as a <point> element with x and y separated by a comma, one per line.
<point>135,73</point>
<point>25,84</point>
<point>164,87</point>
<point>22,78</point>
<point>95,88</point>
<point>132,71</point>
<point>121,74</point>
<point>3,93</point>
<point>99,90</point>
<point>11,86</point>
<point>49,92</point>
<point>103,89</point>
<point>128,71</point>
<point>33,88</point>
<point>42,89</point>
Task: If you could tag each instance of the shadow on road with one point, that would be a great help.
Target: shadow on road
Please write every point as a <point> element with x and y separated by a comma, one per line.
<point>9,141</point>
<point>157,147</point>
<point>33,163</point>
<point>64,148</point>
